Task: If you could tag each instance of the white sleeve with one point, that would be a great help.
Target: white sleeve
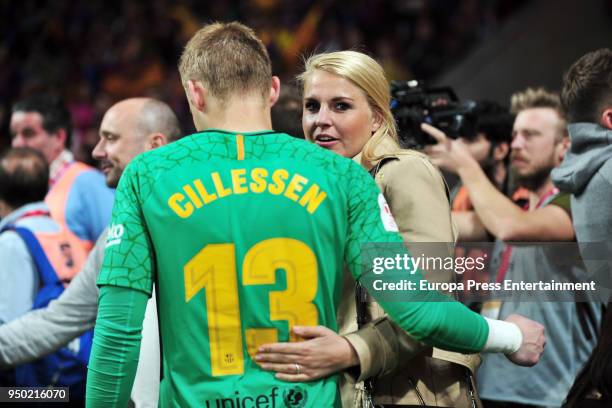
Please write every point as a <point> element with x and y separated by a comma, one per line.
<point>145,391</point>
<point>504,337</point>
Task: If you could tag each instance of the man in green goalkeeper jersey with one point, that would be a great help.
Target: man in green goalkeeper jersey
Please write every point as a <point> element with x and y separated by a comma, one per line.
<point>245,233</point>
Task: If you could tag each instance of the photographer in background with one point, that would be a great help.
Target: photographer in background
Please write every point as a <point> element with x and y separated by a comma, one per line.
<point>488,141</point>
<point>490,147</point>
<point>484,127</point>
<point>539,143</point>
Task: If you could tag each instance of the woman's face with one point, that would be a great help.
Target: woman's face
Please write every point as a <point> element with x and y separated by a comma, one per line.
<point>336,114</point>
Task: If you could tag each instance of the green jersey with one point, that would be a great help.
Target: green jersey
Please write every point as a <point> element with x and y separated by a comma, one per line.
<point>245,235</point>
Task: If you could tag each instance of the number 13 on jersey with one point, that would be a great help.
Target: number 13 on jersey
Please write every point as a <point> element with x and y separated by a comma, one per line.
<point>214,270</point>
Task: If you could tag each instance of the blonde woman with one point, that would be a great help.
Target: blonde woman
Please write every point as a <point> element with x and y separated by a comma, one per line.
<point>346,109</point>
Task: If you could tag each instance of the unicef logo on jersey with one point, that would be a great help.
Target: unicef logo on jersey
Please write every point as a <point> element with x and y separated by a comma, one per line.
<point>295,397</point>
<point>115,232</point>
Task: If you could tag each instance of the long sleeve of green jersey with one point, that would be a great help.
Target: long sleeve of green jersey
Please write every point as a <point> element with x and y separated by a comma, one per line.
<point>427,316</point>
<point>116,345</point>
<point>125,282</point>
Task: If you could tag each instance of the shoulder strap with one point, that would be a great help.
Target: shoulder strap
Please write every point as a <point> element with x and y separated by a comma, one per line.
<point>361,295</point>
<point>374,170</point>
<point>46,271</point>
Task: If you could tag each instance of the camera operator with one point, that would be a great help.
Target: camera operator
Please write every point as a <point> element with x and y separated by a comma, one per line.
<point>490,147</point>
<point>485,128</point>
<point>539,143</point>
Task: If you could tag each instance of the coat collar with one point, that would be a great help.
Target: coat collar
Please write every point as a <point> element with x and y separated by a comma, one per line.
<point>386,148</point>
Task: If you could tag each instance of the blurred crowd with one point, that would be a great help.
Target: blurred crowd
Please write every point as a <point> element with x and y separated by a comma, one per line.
<point>98,52</point>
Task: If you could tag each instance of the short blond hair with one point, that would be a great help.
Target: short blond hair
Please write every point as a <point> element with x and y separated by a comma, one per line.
<point>368,75</point>
<point>229,59</point>
<point>539,98</point>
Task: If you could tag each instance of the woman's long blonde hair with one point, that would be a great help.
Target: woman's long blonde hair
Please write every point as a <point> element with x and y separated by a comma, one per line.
<point>367,74</point>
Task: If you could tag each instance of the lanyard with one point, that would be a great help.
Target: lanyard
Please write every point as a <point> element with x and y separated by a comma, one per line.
<point>34,213</point>
<point>549,193</point>
<point>505,260</point>
<point>58,175</point>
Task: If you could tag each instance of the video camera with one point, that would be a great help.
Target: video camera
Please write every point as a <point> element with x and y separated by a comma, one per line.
<point>414,103</point>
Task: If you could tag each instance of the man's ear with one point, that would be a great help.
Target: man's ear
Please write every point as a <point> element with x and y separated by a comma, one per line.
<point>274,90</point>
<point>155,140</point>
<point>62,136</point>
<point>562,148</point>
<point>606,118</point>
<point>500,151</point>
<point>197,94</point>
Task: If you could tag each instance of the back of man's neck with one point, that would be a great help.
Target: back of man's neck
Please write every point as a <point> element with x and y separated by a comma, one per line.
<point>240,127</point>
<point>57,166</point>
<point>246,115</point>
<point>5,209</point>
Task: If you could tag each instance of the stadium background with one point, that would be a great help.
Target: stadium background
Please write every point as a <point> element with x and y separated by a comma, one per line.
<point>97,52</point>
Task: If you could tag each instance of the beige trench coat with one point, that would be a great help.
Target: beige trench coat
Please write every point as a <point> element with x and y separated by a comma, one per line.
<point>416,194</point>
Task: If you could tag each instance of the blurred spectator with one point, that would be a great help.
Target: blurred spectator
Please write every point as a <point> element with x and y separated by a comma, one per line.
<point>78,196</point>
<point>287,112</point>
<point>112,49</point>
<point>39,257</point>
<point>539,143</point>
<point>24,176</point>
<point>586,172</point>
<point>127,129</point>
<point>490,147</point>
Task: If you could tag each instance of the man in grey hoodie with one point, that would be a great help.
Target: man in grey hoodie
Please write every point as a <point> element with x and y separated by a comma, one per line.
<point>586,171</point>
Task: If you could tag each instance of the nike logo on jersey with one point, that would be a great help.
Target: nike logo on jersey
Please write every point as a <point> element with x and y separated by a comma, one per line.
<point>115,232</point>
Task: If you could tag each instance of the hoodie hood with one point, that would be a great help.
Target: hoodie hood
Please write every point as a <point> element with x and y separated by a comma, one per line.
<point>591,147</point>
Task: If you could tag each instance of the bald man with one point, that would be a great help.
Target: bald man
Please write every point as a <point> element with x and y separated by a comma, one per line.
<point>128,128</point>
